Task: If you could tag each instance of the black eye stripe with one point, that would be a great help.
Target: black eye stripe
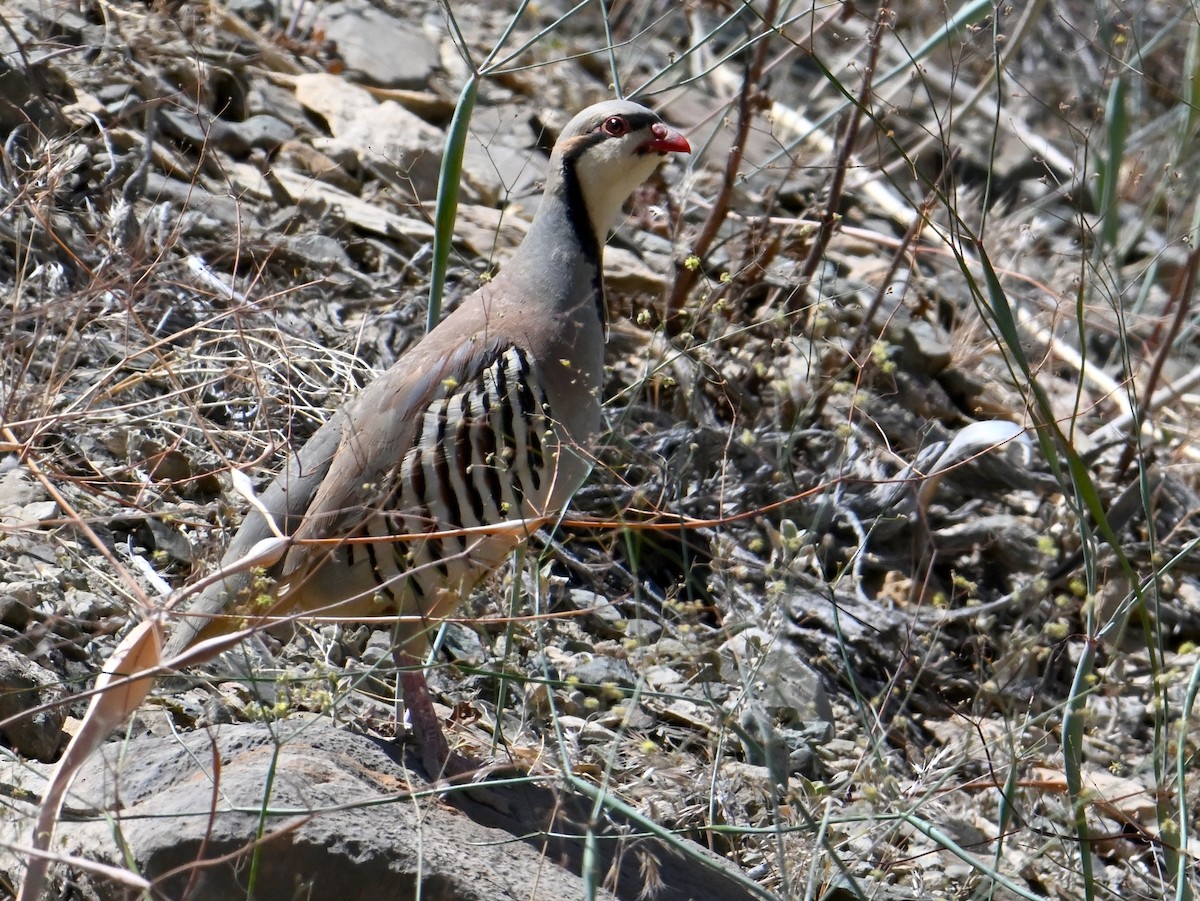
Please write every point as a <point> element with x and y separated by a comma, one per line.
<point>577,146</point>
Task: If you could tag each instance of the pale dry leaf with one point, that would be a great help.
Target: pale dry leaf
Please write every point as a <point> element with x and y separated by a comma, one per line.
<point>120,689</point>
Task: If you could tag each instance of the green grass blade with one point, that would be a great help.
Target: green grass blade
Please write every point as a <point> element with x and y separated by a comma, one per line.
<point>1074,716</point>
<point>1183,763</point>
<point>447,198</point>
<point>1108,168</point>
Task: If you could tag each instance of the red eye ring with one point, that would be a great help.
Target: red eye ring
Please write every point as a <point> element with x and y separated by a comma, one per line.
<point>615,126</point>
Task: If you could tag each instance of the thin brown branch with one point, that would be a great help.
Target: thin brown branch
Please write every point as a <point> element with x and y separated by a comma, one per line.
<point>901,253</point>
<point>846,141</point>
<point>1183,287</point>
<point>748,105</point>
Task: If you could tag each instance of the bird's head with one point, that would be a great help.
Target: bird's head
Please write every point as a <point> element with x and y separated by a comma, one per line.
<point>611,148</point>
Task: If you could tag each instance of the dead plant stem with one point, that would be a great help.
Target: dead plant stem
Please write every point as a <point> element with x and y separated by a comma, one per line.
<point>748,98</point>
<point>798,299</point>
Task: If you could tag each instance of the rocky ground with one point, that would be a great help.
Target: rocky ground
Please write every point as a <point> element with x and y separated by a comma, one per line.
<point>882,585</point>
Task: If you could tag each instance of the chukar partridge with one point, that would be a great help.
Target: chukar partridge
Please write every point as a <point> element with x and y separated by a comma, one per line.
<point>482,426</point>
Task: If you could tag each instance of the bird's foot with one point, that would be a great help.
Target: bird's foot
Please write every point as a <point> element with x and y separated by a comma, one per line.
<point>442,766</point>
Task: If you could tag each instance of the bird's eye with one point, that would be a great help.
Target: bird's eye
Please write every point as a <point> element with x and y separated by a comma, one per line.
<point>615,126</point>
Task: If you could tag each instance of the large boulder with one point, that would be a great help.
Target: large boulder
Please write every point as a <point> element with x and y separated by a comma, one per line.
<point>304,810</point>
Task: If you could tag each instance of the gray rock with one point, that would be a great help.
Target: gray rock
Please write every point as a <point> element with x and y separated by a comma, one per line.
<point>925,348</point>
<point>340,823</point>
<point>252,10</point>
<point>603,618</point>
<point>29,708</point>
<point>387,140</point>
<point>262,132</point>
<point>202,129</point>
<point>13,613</point>
<point>601,675</point>
<point>777,677</point>
<point>17,490</point>
<point>379,48</point>
<point>205,210</point>
<point>497,156</point>
<point>643,631</point>
<point>319,251</point>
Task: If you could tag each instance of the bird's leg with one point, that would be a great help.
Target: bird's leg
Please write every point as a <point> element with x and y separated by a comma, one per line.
<point>437,758</point>
<point>427,728</point>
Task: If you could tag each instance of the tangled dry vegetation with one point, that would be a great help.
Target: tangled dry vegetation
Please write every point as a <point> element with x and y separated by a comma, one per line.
<point>870,640</point>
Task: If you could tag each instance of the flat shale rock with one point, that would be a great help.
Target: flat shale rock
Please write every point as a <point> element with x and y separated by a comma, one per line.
<point>340,823</point>
<point>32,719</point>
<point>380,48</point>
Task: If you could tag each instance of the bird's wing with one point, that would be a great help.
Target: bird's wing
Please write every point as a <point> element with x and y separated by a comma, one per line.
<point>377,435</point>
<point>344,470</point>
